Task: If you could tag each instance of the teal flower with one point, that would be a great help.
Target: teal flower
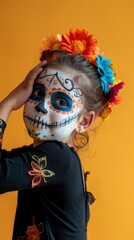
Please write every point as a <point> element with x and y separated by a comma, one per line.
<point>105,72</point>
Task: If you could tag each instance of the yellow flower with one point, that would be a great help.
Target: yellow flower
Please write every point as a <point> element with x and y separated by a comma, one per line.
<point>114,67</point>
<point>116,81</point>
<point>104,114</point>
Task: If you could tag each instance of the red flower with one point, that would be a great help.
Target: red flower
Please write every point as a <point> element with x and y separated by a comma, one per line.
<point>115,90</point>
<point>36,172</point>
<point>79,41</point>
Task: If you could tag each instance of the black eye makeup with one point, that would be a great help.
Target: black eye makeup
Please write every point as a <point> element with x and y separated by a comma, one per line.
<point>38,93</point>
<point>61,101</point>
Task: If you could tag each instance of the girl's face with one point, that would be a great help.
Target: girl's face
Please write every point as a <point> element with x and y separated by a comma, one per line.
<point>52,111</point>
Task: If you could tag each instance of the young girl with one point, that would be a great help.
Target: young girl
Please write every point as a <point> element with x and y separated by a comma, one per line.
<point>62,96</point>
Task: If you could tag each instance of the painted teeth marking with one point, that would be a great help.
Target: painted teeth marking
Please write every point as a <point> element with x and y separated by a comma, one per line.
<point>35,121</point>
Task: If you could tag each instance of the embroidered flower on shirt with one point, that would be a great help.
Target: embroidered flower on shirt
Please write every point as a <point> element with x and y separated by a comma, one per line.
<point>39,170</point>
<point>33,232</point>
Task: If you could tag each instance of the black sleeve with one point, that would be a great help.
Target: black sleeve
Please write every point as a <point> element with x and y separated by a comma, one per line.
<point>15,152</point>
<point>30,167</point>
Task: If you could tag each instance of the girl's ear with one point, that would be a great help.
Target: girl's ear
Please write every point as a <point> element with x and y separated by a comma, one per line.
<point>85,121</point>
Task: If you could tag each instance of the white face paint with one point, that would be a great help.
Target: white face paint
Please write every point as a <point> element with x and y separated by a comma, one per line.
<point>52,111</point>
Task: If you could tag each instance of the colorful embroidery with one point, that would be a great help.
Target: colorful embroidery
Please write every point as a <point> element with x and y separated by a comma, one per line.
<point>33,232</point>
<point>39,171</point>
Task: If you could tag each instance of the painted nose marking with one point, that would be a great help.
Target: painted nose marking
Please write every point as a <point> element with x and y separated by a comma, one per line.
<point>40,107</point>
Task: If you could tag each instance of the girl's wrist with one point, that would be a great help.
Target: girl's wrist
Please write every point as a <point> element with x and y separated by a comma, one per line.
<point>2,128</point>
<point>2,125</point>
<point>5,110</point>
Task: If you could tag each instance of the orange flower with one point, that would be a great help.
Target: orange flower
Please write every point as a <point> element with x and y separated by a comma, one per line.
<point>79,41</point>
<point>51,43</point>
<point>92,57</point>
<point>32,230</point>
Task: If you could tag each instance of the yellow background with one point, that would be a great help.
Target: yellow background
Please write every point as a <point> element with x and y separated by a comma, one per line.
<point>23,24</point>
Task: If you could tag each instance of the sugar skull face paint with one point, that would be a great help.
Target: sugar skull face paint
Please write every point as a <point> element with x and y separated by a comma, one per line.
<point>52,111</point>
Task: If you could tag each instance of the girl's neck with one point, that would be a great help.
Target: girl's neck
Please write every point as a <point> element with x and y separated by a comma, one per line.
<point>37,142</point>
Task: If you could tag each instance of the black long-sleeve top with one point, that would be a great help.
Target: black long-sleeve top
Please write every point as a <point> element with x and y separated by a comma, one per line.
<point>51,193</point>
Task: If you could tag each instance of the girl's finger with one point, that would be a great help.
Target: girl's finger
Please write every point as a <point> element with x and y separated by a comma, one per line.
<point>42,64</point>
<point>36,70</point>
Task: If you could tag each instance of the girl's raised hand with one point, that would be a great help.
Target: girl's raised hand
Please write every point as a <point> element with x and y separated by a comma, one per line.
<point>21,93</point>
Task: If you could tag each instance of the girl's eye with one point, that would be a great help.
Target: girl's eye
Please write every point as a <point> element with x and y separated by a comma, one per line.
<point>60,102</point>
<point>38,93</point>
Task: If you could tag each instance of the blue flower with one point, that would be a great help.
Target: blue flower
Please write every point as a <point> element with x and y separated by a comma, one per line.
<point>105,72</point>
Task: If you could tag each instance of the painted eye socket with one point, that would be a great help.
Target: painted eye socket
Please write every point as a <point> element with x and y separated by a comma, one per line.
<point>61,101</point>
<point>38,93</point>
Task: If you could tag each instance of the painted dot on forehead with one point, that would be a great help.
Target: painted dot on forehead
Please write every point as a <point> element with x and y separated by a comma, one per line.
<point>55,81</point>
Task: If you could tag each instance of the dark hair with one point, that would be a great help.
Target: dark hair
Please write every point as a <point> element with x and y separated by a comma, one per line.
<point>88,79</point>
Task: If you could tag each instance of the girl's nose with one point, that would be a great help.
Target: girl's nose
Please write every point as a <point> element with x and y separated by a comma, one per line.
<point>40,107</point>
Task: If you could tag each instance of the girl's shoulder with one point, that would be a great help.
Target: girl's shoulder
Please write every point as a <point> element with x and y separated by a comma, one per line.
<point>54,146</point>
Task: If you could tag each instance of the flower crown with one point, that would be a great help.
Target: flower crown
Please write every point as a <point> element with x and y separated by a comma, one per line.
<point>80,41</point>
